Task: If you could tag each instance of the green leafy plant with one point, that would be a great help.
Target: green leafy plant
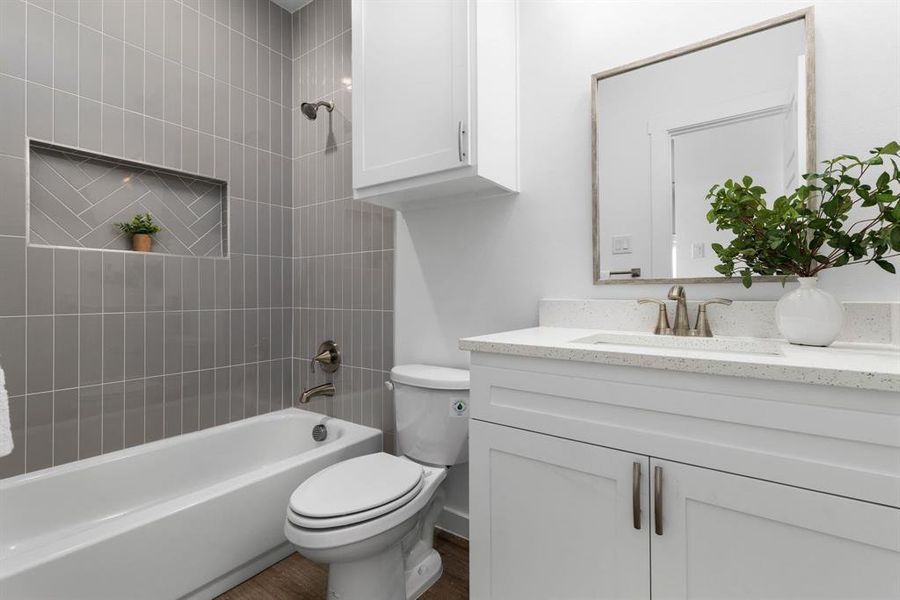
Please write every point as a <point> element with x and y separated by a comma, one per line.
<point>807,231</point>
<point>139,224</point>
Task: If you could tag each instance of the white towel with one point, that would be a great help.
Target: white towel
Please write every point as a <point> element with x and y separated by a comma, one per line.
<point>6,440</point>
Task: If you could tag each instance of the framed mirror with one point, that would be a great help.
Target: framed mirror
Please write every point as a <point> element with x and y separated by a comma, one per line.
<point>665,129</point>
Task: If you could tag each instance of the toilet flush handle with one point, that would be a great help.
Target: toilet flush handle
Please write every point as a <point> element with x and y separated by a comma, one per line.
<point>389,386</point>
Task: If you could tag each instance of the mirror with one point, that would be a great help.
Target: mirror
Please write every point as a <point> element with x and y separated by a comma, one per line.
<point>667,128</point>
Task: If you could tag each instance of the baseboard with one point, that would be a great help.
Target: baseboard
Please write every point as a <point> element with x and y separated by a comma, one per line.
<point>455,522</point>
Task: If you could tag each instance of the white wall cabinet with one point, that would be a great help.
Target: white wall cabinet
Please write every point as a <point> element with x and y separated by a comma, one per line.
<point>751,499</point>
<point>434,100</point>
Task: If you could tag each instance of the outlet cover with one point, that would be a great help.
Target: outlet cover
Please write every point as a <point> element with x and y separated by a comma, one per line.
<point>698,250</point>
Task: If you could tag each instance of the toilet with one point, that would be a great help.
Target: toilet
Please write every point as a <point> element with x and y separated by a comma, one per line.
<point>371,518</point>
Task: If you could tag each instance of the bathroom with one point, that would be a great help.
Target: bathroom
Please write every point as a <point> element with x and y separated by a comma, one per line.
<point>387,341</point>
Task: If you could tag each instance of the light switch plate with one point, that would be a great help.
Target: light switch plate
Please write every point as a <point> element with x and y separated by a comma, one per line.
<point>698,250</point>
<point>621,244</point>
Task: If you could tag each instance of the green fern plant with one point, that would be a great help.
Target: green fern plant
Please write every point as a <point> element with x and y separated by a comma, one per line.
<point>141,223</point>
<point>807,231</point>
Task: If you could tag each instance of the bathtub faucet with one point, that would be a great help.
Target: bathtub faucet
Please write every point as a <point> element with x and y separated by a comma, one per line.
<point>326,389</point>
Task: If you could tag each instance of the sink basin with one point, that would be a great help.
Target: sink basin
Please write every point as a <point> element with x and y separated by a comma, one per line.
<point>740,345</point>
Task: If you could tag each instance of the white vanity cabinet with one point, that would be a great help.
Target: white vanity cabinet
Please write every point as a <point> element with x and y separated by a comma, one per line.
<point>552,518</point>
<point>764,489</point>
<point>728,536</point>
<point>434,100</point>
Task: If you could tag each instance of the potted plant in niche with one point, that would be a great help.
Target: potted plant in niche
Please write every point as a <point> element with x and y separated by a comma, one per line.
<point>811,230</point>
<point>141,228</point>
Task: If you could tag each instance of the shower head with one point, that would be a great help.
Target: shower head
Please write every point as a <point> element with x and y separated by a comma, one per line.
<point>309,109</point>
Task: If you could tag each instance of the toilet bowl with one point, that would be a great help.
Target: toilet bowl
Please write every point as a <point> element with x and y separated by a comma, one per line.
<point>371,518</point>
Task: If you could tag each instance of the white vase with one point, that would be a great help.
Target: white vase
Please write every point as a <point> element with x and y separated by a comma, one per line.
<point>808,315</point>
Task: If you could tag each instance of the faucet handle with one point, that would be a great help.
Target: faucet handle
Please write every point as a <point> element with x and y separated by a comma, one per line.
<point>701,327</point>
<point>328,356</point>
<point>662,319</point>
<point>725,301</point>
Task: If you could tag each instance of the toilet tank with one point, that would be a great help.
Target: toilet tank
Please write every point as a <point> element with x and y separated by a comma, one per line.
<point>431,410</point>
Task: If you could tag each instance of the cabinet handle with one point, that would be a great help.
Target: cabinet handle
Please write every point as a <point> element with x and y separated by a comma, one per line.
<point>658,499</point>
<point>636,495</point>
<point>459,144</point>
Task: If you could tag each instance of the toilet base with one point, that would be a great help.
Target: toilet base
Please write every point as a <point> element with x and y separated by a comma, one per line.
<point>378,577</point>
<point>381,577</point>
<point>421,577</point>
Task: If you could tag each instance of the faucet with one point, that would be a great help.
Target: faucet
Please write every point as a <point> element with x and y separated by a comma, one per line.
<point>682,325</point>
<point>326,389</point>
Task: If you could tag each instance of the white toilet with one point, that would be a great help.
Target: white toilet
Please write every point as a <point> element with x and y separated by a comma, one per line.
<point>371,518</point>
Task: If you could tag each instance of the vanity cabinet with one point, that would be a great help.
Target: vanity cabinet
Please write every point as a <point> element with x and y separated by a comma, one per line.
<point>728,536</point>
<point>598,481</point>
<point>552,518</point>
<point>434,100</point>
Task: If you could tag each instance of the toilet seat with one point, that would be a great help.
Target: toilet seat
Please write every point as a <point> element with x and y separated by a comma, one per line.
<point>355,490</point>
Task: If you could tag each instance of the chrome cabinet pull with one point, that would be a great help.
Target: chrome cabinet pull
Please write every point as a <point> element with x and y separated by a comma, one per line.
<point>459,144</point>
<point>636,495</point>
<point>658,499</point>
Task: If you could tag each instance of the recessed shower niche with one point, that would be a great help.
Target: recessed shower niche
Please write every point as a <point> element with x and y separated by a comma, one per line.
<point>76,197</point>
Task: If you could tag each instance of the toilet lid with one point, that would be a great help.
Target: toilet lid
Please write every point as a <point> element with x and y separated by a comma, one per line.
<point>357,485</point>
<point>359,517</point>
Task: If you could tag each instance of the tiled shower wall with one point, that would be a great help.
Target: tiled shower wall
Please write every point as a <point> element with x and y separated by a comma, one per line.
<point>109,349</point>
<point>343,249</point>
<point>75,200</point>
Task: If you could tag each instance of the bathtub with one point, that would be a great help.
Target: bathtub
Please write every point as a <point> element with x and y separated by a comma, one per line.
<point>187,517</point>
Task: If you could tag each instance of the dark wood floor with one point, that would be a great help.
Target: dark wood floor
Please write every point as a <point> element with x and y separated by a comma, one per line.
<point>296,578</point>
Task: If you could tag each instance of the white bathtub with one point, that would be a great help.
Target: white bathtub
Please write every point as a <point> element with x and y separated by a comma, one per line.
<point>187,517</point>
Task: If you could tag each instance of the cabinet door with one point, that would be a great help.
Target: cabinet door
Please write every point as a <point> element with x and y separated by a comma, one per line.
<point>553,518</point>
<point>727,537</point>
<point>410,88</point>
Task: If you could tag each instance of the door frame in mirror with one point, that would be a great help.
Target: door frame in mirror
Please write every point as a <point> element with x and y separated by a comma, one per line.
<point>807,15</point>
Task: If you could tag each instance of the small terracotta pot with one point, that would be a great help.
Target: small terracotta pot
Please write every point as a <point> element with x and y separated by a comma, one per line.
<point>142,242</point>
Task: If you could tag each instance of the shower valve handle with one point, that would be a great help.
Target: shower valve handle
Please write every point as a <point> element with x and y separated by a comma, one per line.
<point>328,356</point>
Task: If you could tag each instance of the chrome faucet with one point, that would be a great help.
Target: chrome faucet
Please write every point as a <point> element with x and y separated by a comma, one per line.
<point>326,389</point>
<point>682,325</point>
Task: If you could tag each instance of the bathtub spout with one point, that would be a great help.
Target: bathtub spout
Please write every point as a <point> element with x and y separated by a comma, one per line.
<point>326,389</point>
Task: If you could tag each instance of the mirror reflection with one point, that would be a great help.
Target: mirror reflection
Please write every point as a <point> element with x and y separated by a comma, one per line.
<point>669,128</point>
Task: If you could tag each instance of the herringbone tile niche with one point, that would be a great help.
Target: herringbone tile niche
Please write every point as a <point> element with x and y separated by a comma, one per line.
<point>76,198</point>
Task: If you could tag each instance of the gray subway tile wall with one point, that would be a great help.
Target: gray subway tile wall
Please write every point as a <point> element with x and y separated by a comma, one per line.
<point>213,89</point>
<point>104,350</point>
<point>343,265</point>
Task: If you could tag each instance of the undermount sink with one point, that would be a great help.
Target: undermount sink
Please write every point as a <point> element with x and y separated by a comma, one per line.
<point>713,344</point>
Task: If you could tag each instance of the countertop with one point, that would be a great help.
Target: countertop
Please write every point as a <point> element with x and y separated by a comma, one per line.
<point>852,365</point>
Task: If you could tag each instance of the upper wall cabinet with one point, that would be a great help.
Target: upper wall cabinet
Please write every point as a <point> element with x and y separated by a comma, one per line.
<point>434,100</point>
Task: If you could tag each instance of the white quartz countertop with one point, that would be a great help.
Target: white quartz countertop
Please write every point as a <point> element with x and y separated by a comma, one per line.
<point>852,365</point>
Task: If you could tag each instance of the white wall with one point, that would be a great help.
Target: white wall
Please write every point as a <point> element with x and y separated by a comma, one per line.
<point>482,267</point>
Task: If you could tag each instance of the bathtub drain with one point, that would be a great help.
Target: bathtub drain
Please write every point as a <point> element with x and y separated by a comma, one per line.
<point>319,433</point>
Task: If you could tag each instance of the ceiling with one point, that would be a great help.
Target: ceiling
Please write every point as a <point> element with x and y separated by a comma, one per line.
<point>291,5</point>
